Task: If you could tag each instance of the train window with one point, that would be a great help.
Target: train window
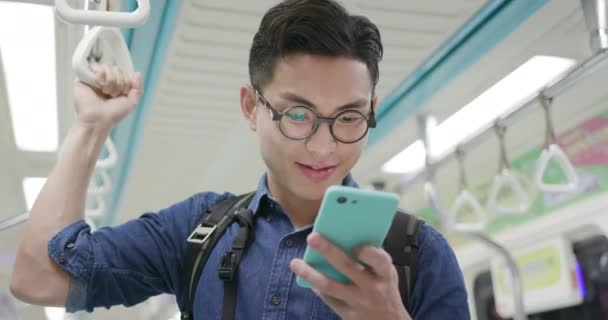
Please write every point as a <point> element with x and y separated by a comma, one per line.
<point>592,256</point>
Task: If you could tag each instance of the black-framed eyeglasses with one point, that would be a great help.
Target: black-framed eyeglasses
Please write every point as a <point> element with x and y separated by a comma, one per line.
<point>300,122</point>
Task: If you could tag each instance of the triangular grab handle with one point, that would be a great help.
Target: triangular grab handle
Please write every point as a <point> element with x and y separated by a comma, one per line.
<point>106,183</point>
<point>555,152</point>
<point>120,51</point>
<point>466,198</point>
<point>110,160</point>
<point>98,210</point>
<point>506,179</point>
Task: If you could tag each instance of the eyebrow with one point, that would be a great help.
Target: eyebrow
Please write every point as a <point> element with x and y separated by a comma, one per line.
<point>361,103</point>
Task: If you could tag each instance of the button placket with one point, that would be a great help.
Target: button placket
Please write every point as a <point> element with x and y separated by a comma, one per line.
<point>289,243</point>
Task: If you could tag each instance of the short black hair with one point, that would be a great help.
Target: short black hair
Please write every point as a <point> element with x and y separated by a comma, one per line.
<point>318,27</point>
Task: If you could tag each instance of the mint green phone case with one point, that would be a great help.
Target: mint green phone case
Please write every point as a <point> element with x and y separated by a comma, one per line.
<point>350,217</point>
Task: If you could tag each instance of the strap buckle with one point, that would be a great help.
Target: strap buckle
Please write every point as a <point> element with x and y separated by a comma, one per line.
<point>228,266</point>
<point>201,234</point>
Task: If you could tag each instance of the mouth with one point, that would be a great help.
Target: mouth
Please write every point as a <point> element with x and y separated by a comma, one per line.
<point>315,172</point>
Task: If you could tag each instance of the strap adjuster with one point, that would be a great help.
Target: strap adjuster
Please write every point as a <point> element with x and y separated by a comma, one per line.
<point>201,234</point>
<point>228,266</point>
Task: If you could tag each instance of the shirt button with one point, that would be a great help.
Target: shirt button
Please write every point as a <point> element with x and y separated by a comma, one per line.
<point>70,245</point>
<point>276,300</point>
<point>289,243</point>
<point>269,217</point>
<point>62,258</point>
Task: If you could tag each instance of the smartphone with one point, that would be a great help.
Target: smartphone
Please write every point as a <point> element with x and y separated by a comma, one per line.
<point>350,217</point>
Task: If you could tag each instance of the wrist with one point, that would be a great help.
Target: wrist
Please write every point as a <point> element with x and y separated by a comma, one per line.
<point>85,139</point>
<point>93,129</point>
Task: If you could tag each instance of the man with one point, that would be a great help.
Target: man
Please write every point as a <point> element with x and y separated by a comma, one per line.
<point>309,59</point>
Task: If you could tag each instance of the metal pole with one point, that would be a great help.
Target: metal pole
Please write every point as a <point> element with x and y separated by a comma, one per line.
<point>516,282</point>
<point>13,221</point>
<point>426,124</point>
<point>45,2</point>
<point>595,17</point>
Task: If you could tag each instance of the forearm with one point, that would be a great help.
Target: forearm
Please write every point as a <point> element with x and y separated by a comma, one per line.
<point>60,202</point>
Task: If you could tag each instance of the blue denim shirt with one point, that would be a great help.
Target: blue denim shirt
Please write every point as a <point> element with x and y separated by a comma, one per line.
<point>129,263</point>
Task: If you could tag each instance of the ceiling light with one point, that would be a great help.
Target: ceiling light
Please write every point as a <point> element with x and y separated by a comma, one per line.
<point>27,51</point>
<point>502,98</point>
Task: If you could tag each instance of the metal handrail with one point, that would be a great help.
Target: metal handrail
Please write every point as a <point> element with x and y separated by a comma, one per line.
<point>103,18</point>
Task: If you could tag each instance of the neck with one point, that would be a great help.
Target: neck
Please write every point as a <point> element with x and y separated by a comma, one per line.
<point>300,211</point>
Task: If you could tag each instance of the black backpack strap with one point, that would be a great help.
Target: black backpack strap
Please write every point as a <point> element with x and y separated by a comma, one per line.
<point>232,258</point>
<point>402,244</point>
<point>202,241</point>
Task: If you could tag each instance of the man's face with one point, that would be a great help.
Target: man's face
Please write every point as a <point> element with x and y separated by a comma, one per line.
<point>306,168</point>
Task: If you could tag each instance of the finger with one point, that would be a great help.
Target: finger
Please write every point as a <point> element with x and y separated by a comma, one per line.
<point>120,81</point>
<point>377,260</point>
<point>136,89</point>
<point>110,83</point>
<point>128,82</point>
<point>99,72</point>
<point>136,82</point>
<point>323,283</point>
<point>340,260</point>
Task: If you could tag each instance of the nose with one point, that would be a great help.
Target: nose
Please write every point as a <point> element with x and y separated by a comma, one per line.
<point>321,143</point>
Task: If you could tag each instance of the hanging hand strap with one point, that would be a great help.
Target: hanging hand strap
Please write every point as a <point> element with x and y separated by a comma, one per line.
<point>505,179</point>
<point>464,199</point>
<point>104,187</point>
<point>98,210</point>
<point>111,36</point>
<point>553,151</point>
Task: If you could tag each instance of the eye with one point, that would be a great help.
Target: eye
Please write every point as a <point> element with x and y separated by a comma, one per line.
<point>299,114</point>
<point>350,117</point>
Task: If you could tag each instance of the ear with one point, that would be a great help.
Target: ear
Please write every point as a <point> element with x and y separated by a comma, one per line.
<point>375,103</point>
<point>249,106</point>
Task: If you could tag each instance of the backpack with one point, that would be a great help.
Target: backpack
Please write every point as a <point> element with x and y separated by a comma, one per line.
<point>401,243</point>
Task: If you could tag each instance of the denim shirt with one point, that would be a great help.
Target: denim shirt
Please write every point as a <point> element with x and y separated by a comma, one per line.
<point>129,263</point>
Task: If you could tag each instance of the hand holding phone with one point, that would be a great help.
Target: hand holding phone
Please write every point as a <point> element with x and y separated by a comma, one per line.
<point>349,218</point>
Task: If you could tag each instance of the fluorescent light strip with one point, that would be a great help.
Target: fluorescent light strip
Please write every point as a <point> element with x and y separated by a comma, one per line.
<point>31,189</point>
<point>410,160</point>
<point>502,98</point>
<point>27,45</point>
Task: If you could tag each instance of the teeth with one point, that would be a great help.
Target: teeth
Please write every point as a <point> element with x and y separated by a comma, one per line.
<point>317,167</point>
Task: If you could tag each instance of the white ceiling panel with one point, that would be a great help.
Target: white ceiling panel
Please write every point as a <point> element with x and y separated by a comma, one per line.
<point>197,111</point>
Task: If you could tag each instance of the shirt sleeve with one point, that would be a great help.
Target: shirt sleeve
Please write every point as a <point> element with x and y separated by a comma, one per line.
<point>439,291</point>
<point>131,262</point>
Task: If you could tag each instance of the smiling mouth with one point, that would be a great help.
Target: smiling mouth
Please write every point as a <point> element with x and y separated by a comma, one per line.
<point>316,173</point>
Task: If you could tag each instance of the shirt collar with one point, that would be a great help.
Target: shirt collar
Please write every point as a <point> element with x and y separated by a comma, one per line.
<point>262,191</point>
